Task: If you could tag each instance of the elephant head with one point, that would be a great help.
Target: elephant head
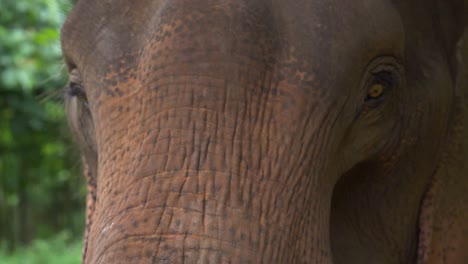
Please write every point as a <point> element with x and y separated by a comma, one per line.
<point>255,131</point>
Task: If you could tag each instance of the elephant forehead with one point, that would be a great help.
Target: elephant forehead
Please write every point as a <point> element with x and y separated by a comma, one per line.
<point>304,42</point>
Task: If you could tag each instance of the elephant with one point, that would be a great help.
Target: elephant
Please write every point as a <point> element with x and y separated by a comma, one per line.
<point>271,131</point>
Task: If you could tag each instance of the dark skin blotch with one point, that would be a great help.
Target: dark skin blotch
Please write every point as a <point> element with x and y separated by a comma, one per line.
<point>119,92</point>
<point>242,236</point>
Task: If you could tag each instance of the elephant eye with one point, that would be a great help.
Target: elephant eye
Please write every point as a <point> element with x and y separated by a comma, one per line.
<point>75,89</point>
<point>376,91</point>
<point>381,83</point>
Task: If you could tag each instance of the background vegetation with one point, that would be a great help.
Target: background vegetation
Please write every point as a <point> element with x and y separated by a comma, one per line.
<point>41,189</point>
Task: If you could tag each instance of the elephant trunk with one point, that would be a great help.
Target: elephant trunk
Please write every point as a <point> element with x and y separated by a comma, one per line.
<point>217,154</point>
<point>201,187</point>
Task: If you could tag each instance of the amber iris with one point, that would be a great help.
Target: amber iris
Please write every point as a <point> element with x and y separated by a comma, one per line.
<point>375,91</point>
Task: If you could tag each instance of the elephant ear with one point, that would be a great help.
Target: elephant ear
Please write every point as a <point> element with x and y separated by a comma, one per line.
<point>450,22</point>
<point>444,214</point>
<point>461,13</point>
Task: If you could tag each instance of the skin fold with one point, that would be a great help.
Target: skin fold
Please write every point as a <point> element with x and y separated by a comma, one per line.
<point>270,131</point>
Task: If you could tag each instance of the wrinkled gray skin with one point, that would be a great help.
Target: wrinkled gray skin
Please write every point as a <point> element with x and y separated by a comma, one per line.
<point>271,131</point>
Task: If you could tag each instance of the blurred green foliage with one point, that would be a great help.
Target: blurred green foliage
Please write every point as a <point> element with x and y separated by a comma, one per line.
<point>57,250</point>
<point>41,189</point>
<point>29,46</point>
